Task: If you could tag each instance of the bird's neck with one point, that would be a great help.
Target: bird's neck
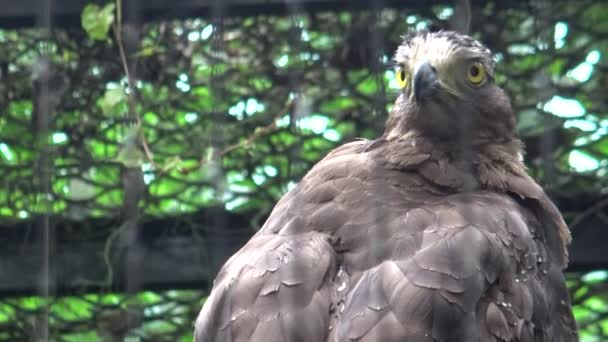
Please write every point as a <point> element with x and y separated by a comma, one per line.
<point>491,165</point>
<point>468,164</point>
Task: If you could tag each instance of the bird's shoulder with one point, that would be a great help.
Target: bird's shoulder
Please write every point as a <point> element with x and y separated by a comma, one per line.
<point>349,182</point>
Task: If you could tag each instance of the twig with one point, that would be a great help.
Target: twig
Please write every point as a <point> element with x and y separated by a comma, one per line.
<point>144,144</point>
<point>117,29</point>
<point>590,211</point>
<point>123,58</point>
<point>107,257</point>
<point>259,131</point>
<point>108,281</point>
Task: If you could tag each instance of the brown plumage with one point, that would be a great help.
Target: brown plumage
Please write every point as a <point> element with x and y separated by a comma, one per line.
<point>433,232</point>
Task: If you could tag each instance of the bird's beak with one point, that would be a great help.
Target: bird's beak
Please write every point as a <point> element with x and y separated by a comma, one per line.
<point>426,82</point>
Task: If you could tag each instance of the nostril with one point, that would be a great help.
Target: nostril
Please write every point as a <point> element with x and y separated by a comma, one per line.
<point>426,82</point>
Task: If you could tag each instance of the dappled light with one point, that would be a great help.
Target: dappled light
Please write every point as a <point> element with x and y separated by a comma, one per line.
<point>219,117</point>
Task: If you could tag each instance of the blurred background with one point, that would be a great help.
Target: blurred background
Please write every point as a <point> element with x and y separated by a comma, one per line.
<point>142,143</point>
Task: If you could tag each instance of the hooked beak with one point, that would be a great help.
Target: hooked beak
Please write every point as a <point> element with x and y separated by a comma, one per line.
<point>426,82</point>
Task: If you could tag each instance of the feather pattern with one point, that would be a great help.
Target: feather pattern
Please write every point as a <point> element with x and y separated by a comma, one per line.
<point>404,239</point>
<point>425,266</point>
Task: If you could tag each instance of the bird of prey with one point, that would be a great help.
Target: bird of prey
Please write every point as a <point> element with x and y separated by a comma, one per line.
<point>433,232</point>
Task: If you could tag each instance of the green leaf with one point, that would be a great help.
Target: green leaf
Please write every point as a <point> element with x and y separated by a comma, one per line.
<point>96,21</point>
<point>338,104</point>
<point>130,155</point>
<point>368,86</point>
<point>166,187</point>
<point>149,48</point>
<point>111,99</point>
<point>80,190</point>
<point>171,163</point>
<point>148,51</point>
<point>602,146</point>
<point>149,297</point>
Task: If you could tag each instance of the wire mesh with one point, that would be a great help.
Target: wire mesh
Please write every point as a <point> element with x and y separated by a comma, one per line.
<point>234,111</point>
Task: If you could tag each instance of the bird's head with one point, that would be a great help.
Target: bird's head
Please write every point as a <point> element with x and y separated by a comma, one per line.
<point>447,89</point>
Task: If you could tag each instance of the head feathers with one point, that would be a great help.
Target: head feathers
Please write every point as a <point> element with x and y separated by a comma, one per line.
<point>439,48</point>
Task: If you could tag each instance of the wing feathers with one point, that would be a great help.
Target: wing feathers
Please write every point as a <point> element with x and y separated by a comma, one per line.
<point>415,264</point>
<point>497,323</point>
<point>276,289</point>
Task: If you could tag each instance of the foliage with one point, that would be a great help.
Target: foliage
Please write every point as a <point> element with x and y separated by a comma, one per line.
<point>299,85</point>
<point>158,316</point>
<point>96,21</point>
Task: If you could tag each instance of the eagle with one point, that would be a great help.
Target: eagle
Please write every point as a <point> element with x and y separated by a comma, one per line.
<point>434,232</point>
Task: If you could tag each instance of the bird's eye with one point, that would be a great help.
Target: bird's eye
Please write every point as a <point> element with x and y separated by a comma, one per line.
<point>401,77</point>
<point>476,73</point>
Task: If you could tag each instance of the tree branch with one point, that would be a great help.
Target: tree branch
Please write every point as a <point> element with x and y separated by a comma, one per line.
<point>259,131</point>
<point>589,212</point>
<point>117,29</point>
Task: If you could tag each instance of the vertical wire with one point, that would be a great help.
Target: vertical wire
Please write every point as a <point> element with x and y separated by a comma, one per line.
<point>300,107</point>
<point>43,120</point>
<point>541,13</point>
<point>375,52</point>
<point>134,187</point>
<point>461,21</point>
<point>379,233</point>
<point>132,177</point>
<point>215,141</point>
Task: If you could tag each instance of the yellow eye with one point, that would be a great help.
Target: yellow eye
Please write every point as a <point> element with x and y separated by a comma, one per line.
<point>476,73</point>
<point>401,77</point>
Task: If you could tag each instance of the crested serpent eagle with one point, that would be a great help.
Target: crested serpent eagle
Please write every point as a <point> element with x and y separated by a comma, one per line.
<point>433,232</point>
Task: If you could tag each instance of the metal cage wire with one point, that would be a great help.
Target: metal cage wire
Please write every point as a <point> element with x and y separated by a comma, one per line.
<point>235,109</point>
